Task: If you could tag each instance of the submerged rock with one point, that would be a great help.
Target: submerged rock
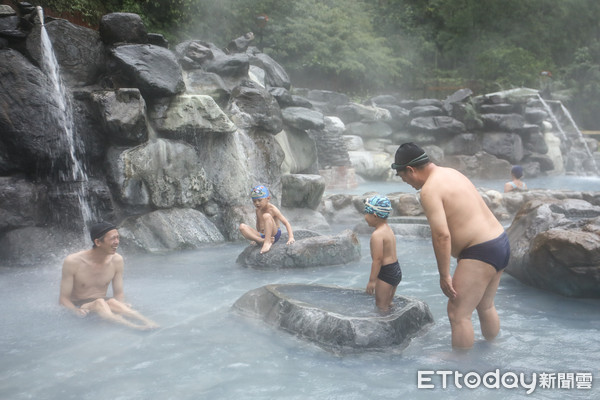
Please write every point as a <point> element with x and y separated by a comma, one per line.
<point>311,249</point>
<point>342,320</point>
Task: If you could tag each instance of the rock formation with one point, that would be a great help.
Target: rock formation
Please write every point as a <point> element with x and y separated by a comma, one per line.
<point>340,320</point>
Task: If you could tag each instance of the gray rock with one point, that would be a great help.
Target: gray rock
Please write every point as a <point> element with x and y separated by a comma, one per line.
<point>122,113</point>
<point>187,116</point>
<point>303,118</point>
<point>160,173</point>
<point>168,230</point>
<point>302,190</point>
<point>555,246</point>
<point>252,106</point>
<point>79,51</point>
<point>122,28</point>
<point>152,69</point>
<point>311,249</point>
<point>341,320</point>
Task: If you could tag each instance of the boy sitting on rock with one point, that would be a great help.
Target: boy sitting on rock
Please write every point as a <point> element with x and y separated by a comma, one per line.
<point>385,270</point>
<point>268,219</point>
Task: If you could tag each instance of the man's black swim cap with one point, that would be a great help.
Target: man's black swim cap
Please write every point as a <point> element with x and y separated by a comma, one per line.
<point>409,155</point>
<point>99,229</point>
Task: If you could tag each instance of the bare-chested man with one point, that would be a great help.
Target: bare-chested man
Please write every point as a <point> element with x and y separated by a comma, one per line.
<point>462,226</point>
<point>87,274</point>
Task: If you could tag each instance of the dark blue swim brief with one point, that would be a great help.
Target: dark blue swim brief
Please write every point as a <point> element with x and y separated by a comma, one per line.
<point>390,273</point>
<point>495,252</point>
<point>277,235</point>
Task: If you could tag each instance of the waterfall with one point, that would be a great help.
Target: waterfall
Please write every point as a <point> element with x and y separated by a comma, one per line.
<point>577,133</point>
<point>579,136</point>
<point>74,174</point>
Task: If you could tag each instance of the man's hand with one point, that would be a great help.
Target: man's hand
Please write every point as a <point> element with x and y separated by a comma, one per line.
<point>292,240</point>
<point>447,288</point>
<point>82,312</point>
<point>371,288</point>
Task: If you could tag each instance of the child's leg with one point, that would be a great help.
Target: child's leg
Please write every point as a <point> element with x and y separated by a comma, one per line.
<point>384,295</point>
<point>269,224</point>
<point>250,233</point>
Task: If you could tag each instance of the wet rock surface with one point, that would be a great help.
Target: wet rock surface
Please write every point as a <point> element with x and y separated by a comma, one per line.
<point>341,320</point>
<point>311,249</point>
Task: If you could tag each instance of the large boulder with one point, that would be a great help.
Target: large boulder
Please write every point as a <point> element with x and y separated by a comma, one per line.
<point>31,120</point>
<point>341,320</point>
<point>252,107</point>
<point>187,116</point>
<point>302,190</point>
<point>79,51</point>
<point>555,246</point>
<point>160,173</point>
<point>311,249</point>
<point>168,230</point>
<point>152,69</point>
<point>122,28</point>
<point>122,113</point>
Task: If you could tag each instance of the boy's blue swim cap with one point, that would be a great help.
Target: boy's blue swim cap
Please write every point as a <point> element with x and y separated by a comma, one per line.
<point>378,205</point>
<point>259,192</point>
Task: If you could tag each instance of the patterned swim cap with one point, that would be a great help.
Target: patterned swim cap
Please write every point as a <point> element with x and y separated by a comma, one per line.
<point>259,192</point>
<point>378,205</point>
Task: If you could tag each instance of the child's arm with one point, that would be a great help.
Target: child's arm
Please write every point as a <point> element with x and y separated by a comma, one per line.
<point>377,257</point>
<point>287,225</point>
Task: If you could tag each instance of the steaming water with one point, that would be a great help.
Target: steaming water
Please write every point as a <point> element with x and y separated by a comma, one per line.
<point>205,351</point>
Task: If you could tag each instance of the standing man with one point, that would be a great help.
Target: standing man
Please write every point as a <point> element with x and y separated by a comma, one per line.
<point>462,226</point>
<point>87,274</point>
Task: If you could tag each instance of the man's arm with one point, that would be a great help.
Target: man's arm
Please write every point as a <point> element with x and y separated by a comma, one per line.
<point>440,237</point>
<point>117,281</point>
<point>376,244</point>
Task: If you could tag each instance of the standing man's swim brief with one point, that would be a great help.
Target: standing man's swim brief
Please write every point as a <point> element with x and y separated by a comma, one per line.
<point>495,252</point>
<point>277,235</point>
<point>390,273</point>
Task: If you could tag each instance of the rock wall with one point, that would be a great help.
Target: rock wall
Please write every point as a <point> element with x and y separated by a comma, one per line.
<point>193,127</point>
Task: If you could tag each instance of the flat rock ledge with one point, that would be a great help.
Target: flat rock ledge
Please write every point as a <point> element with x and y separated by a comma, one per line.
<point>311,249</point>
<point>340,320</point>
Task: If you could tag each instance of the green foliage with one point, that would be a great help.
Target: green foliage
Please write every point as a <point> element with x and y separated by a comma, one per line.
<point>508,67</point>
<point>335,41</point>
<point>364,46</point>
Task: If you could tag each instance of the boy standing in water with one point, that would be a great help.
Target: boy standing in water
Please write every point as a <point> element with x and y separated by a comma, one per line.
<point>385,270</point>
<point>268,218</point>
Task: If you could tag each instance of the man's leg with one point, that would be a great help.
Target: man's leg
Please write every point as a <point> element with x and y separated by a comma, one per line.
<point>471,279</point>
<point>101,307</point>
<point>121,308</point>
<point>488,316</point>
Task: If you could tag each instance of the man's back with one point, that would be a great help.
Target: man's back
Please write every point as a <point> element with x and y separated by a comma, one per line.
<point>469,219</point>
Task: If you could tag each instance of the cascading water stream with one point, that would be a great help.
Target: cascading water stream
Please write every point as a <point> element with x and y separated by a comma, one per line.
<point>74,172</point>
<point>553,116</point>
<point>580,136</point>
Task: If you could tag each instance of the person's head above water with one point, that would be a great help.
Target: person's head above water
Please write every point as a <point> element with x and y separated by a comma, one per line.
<point>259,192</point>
<point>378,205</point>
<point>409,155</point>
<point>99,229</point>
<point>517,171</point>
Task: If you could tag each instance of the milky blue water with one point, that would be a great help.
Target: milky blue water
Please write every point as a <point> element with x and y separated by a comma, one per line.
<point>205,351</point>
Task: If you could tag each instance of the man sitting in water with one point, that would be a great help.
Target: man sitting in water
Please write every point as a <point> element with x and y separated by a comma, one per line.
<point>87,274</point>
<point>268,217</point>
